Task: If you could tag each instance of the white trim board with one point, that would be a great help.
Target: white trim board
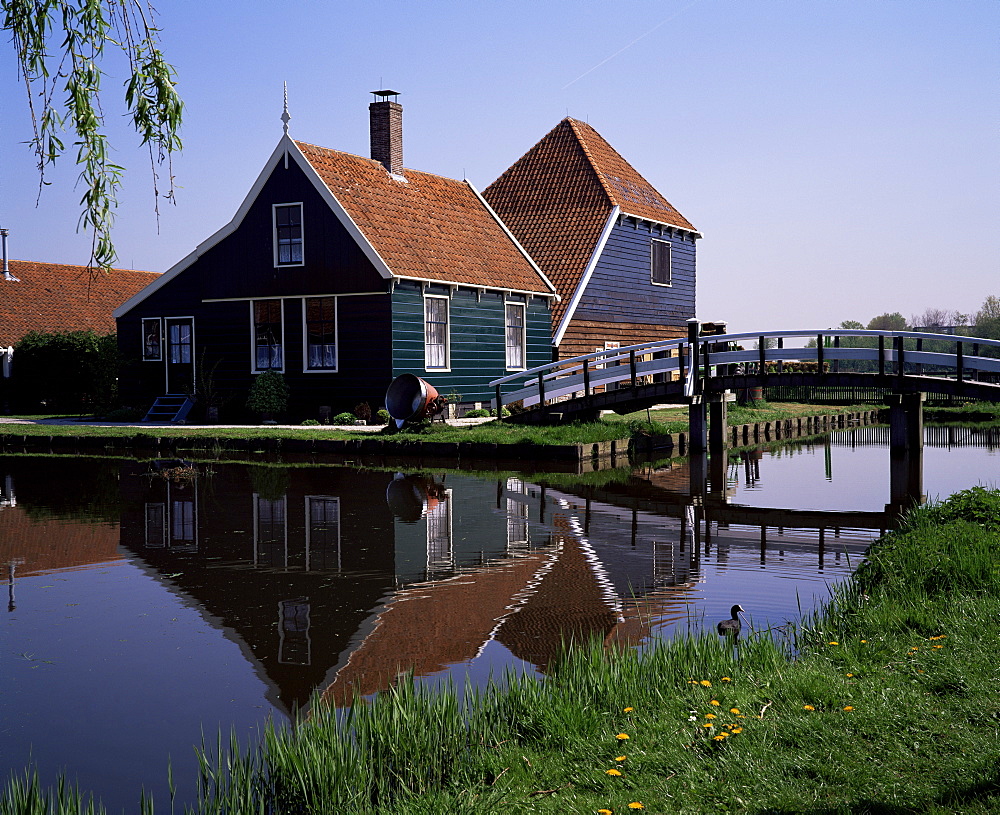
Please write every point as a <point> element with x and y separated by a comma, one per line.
<point>588,272</point>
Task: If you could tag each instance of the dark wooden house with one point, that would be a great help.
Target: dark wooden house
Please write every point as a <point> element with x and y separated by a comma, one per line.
<point>621,257</point>
<point>342,272</point>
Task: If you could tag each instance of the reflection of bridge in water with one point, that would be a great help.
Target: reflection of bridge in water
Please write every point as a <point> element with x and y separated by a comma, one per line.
<point>934,436</point>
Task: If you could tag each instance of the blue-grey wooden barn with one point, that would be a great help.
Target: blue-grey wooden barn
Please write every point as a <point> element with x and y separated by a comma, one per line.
<point>620,255</point>
<point>342,272</point>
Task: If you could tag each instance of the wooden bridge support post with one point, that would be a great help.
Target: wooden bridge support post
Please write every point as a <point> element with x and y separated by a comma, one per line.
<point>697,425</point>
<point>906,450</point>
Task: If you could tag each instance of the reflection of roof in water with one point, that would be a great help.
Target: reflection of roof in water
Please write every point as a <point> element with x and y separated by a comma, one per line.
<point>427,627</point>
<point>40,545</point>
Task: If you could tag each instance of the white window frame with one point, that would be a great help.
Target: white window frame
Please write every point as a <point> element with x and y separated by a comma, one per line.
<point>274,234</point>
<point>336,337</point>
<point>670,263</point>
<point>524,335</point>
<point>253,336</point>
<point>447,339</point>
<point>159,323</point>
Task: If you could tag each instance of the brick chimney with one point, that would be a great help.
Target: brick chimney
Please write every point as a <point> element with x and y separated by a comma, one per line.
<point>387,131</point>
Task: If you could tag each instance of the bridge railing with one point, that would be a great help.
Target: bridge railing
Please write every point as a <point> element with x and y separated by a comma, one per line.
<point>889,353</point>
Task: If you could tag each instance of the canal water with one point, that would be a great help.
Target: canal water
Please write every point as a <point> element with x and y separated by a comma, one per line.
<point>151,602</point>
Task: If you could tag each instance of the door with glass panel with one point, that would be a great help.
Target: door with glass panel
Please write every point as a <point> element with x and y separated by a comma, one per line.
<point>180,355</point>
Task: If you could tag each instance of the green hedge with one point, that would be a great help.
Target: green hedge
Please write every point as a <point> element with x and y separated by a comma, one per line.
<point>65,371</point>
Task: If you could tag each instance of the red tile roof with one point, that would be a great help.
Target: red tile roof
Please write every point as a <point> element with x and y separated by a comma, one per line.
<point>57,297</point>
<point>426,227</point>
<point>557,198</point>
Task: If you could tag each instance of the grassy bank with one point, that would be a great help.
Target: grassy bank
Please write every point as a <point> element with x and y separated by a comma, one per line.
<point>671,420</point>
<point>885,701</point>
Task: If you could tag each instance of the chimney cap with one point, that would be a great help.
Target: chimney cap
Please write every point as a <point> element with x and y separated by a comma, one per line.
<point>385,94</point>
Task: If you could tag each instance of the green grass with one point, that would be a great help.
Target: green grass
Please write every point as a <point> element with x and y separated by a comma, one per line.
<point>611,427</point>
<point>884,701</point>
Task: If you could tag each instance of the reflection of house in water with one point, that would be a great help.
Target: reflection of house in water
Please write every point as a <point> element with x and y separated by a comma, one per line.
<point>330,577</point>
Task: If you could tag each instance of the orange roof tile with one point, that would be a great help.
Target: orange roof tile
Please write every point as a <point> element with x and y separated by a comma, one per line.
<point>57,297</point>
<point>557,198</point>
<point>426,227</point>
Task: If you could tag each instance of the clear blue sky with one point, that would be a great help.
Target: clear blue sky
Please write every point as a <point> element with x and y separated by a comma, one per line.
<point>840,156</point>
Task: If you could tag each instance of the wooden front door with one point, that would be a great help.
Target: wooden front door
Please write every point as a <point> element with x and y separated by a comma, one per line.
<point>180,355</point>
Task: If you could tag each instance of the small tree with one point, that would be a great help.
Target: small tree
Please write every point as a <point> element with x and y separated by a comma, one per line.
<point>268,394</point>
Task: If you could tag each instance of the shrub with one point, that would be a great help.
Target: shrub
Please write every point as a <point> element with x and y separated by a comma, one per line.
<point>311,423</point>
<point>344,418</point>
<point>363,411</point>
<point>478,413</point>
<point>383,416</point>
<point>70,370</point>
<point>268,394</point>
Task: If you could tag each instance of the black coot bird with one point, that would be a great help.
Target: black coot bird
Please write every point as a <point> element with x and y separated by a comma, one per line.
<point>732,626</point>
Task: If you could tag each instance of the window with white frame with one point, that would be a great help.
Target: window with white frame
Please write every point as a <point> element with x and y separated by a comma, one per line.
<point>321,333</point>
<point>267,335</point>
<point>660,271</point>
<point>322,533</point>
<point>288,235</point>
<point>435,332</point>
<point>152,339</point>
<point>516,339</point>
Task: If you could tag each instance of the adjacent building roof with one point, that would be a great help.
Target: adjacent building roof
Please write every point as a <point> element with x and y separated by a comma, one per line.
<point>57,297</point>
<point>425,226</point>
<point>557,199</point>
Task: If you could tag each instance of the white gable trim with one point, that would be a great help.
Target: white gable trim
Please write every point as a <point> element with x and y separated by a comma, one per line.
<point>286,147</point>
<point>513,240</point>
<point>587,274</point>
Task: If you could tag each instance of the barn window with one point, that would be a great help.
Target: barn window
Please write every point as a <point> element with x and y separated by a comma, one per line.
<point>288,235</point>
<point>321,333</point>
<point>436,333</point>
<point>267,335</point>
<point>515,331</point>
<point>660,263</point>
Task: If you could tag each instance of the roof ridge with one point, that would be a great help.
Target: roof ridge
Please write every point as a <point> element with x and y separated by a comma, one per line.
<point>78,266</point>
<point>590,158</point>
<point>377,162</point>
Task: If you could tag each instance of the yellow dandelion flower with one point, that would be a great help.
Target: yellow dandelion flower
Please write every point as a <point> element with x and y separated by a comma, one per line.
<point>714,702</point>
<point>937,646</point>
<point>720,737</point>
<point>850,674</point>
<point>808,707</point>
<point>709,715</point>
<point>613,771</point>
<point>705,683</point>
<point>726,679</point>
<point>735,710</point>
<point>834,643</point>
<point>708,725</point>
<point>864,641</point>
<point>740,716</point>
<point>628,709</point>
<point>619,758</point>
<point>849,708</point>
<point>604,812</point>
<point>737,729</point>
<point>636,805</point>
<point>622,736</point>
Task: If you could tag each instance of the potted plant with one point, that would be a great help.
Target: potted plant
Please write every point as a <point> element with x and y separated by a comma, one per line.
<point>268,396</point>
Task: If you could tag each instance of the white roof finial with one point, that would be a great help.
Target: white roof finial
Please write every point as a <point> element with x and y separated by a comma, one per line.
<point>284,114</point>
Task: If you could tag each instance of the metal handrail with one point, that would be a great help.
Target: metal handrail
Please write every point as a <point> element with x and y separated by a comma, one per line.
<point>607,367</point>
